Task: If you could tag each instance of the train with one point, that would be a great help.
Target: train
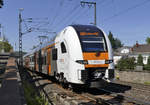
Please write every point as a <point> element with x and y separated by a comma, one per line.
<point>80,54</point>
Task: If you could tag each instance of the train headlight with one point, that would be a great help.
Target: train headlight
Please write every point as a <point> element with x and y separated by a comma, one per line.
<point>108,61</point>
<point>82,61</point>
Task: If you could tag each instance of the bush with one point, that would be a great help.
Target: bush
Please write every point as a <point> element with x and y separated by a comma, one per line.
<point>140,60</point>
<point>126,63</point>
<point>147,66</point>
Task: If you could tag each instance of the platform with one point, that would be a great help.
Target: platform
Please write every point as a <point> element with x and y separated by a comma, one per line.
<point>10,90</point>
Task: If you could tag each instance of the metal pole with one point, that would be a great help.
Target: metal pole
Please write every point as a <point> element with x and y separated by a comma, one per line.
<point>20,41</point>
<point>95,13</point>
<point>0,31</point>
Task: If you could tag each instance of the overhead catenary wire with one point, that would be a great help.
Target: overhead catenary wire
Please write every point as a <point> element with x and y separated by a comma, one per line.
<point>127,10</point>
<point>57,12</point>
<point>58,21</point>
<point>72,16</point>
<point>34,25</point>
<point>114,6</point>
<point>25,25</point>
<point>61,4</point>
<point>68,15</point>
<point>79,16</point>
<point>100,2</point>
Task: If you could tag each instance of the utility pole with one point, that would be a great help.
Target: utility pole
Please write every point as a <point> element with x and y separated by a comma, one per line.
<point>20,39</point>
<point>89,4</point>
<point>0,31</point>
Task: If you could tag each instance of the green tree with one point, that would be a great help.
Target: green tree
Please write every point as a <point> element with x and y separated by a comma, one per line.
<point>6,46</point>
<point>131,63</point>
<point>118,43</point>
<point>1,3</point>
<point>140,60</point>
<point>115,42</point>
<point>111,38</point>
<point>126,63</point>
<point>148,40</point>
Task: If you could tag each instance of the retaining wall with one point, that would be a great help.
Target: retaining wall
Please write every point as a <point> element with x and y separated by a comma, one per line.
<point>133,76</point>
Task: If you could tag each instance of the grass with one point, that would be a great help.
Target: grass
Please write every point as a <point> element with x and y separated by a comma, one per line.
<point>147,83</point>
<point>31,96</point>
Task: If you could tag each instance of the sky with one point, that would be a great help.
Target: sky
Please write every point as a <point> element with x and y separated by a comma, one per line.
<point>128,20</point>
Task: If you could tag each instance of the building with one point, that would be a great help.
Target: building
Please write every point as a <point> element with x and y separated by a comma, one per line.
<point>143,49</point>
<point>126,51</point>
<point>121,52</point>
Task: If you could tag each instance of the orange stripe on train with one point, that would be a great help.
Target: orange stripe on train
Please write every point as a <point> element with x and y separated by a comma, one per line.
<point>95,56</point>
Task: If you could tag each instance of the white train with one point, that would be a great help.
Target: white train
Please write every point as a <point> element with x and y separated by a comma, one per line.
<point>79,54</point>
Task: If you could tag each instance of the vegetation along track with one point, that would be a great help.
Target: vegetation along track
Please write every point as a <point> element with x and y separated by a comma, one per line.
<point>85,97</point>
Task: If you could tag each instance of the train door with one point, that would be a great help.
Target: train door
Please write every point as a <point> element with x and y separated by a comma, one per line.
<point>64,62</point>
<point>49,61</point>
<point>40,61</point>
<point>54,58</point>
<point>36,62</point>
<point>44,61</point>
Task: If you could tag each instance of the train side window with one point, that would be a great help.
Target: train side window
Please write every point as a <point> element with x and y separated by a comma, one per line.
<point>45,60</point>
<point>63,48</point>
<point>32,58</point>
<point>54,54</point>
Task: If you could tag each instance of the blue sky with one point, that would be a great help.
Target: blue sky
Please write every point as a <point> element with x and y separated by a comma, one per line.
<point>128,20</point>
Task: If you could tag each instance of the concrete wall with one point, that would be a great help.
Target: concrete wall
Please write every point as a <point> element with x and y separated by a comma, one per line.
<point>135,77</point>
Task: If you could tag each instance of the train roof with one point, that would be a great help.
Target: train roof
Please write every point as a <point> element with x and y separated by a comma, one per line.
<point>88,29</point>
<point>85,27</point>
<point>78,28</point>
<point>39,47</point>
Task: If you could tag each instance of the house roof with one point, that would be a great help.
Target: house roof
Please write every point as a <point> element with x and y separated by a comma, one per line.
<point>121,48</point>
<point>135,50</point>
<point>141,48</point>
<point>117,52</point>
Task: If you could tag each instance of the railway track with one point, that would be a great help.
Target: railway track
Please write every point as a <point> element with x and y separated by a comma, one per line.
<point>88,97</point>
<point>136,86</point>
<point>112,98</point>
<point>140,92</point>
<point>128,99</point>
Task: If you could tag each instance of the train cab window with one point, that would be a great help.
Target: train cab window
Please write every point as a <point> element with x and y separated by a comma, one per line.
<point>54,54</point>
<point>93,44</point>
<point>63,48</point>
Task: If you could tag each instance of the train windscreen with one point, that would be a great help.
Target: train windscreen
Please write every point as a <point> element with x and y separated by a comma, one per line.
<point>92,44</point>
<point>91,38</point>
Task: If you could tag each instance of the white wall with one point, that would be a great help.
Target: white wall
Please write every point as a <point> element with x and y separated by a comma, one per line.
<point>116,59</point>
<point>145,57</point>
<point>125,51</point>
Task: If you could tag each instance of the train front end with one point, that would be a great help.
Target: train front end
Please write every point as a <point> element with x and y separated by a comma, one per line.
<point>97,56</point>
